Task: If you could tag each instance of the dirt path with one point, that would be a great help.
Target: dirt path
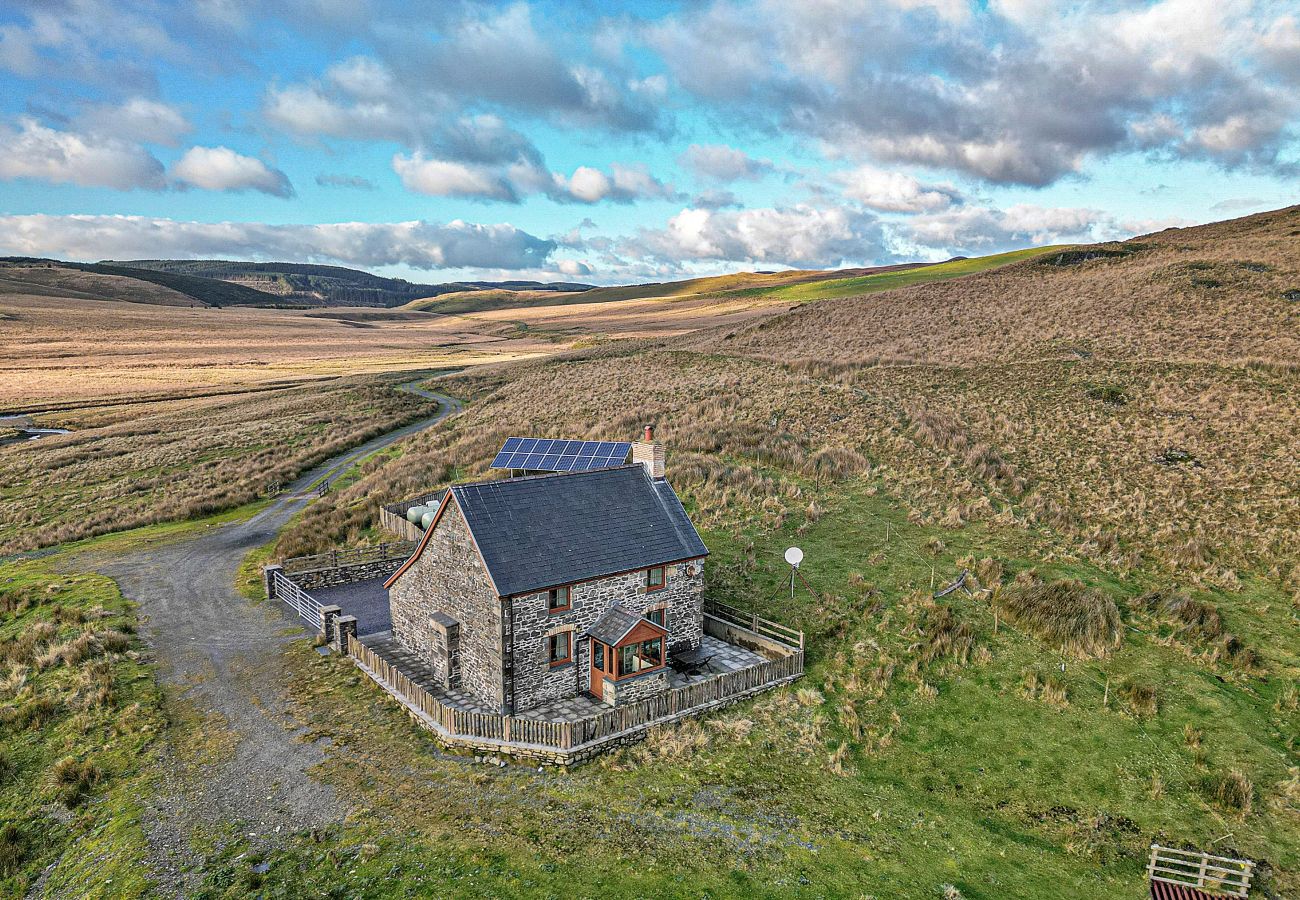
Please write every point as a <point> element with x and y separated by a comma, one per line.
<point>219,659</point>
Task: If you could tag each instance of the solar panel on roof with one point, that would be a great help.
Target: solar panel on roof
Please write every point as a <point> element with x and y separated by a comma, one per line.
<point>557,455</point>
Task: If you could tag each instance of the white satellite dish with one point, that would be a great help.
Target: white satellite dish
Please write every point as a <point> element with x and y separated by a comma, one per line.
<point>794,556</point>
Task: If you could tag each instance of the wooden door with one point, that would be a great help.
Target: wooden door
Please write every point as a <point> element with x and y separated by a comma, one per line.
<point>601,657</point>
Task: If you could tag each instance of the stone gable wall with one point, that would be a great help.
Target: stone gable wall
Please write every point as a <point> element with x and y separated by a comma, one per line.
<point>534,679</point>
<point>449,577</point>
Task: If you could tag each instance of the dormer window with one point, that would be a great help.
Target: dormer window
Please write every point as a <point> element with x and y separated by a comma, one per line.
<point>558,599</point>
<point>654,579</point>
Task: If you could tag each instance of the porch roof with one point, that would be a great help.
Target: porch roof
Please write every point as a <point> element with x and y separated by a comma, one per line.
<point>617,622</point>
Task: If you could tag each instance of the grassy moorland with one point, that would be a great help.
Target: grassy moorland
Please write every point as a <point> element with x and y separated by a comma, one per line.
<point>1102,438</point>
<point>139,464</point>
<point>79,711</point>
<point>777,287</point>
<point>1104,441</point>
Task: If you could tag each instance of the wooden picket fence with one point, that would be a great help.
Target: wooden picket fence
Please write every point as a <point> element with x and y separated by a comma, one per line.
<point>605,726</point>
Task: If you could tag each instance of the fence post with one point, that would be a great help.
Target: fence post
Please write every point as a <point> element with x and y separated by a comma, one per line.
<point>268,579</point>
<point>346,629</point>
<point>328,617</point>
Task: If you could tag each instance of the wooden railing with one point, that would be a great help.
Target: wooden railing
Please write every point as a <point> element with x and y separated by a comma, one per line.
<point>1192,868</point>
<point>304,603</point>
<point>392,550</point>
<point>755,623</point>
<point>614,723</point>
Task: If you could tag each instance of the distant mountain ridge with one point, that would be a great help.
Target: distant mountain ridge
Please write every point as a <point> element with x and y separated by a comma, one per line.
<point>307,284</point>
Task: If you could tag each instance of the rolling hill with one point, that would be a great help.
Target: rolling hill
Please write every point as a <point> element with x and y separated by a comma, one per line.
<point>305,284</point>
<point>100,281</point>
<point>1223,293</point>
<point>1111,424</point>
<point>788,286</point>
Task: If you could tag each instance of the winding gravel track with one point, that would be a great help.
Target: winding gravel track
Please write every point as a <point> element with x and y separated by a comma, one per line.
<point>222,657</point>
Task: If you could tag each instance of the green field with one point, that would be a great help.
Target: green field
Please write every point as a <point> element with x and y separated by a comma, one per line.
<point>955,772</point>
<point>729,286</point>
<point>888,281</point>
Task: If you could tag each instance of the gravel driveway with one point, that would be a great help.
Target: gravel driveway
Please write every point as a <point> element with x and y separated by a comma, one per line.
<point>222,658</point>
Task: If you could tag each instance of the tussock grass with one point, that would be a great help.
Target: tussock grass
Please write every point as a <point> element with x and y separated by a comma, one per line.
<point>77,718</point>
<point>1140,699</point>
<point>1066,615</point>
<point>1232,791</point>
<point>13,848</point>
<point>73,779</point>
<point>1195,617</point>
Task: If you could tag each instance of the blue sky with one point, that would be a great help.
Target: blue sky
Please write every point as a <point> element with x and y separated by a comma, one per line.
<point>607,143</point>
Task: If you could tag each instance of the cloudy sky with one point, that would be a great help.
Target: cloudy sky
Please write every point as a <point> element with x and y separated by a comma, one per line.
<point>641,141</point>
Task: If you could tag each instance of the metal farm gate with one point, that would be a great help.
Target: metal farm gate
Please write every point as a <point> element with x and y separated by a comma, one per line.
<point>307,607</point>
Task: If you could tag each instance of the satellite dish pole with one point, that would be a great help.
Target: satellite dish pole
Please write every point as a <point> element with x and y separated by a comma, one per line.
<point>793,556</point>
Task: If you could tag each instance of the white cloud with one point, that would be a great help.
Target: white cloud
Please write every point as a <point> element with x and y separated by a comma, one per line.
<point>511,183</point>
<point>893,191</point>
<point>802,235</point>
<point>445,178</point>
<point>974,230</point>
<point>722,163</point>
<point>421,245</point>
<point>573,268</point>
<point>1011,93</point>
<point>623,184</point>
<point>222,169</point>
<point>65,157</point>
<point>138,119</point>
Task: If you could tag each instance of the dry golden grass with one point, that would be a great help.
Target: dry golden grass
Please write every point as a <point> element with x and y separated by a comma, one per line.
<point>1215,293</point>
<point>149,463</point>
<point>61,352</point>
<point>56,281</point>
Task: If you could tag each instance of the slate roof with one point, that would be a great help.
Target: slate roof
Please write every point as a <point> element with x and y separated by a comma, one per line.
<point>614,624</point>
<point>549,530</point>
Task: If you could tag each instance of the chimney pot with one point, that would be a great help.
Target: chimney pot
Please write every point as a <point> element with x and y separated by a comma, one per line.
<point>649,453</point>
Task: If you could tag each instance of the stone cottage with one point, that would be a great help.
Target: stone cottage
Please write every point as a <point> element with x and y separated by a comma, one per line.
<point>535,589</point>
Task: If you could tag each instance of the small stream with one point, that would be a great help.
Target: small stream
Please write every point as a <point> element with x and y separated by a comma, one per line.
<point>32,434</point>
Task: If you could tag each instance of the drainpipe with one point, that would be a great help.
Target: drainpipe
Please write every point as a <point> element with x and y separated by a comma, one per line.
<point>507,657</point>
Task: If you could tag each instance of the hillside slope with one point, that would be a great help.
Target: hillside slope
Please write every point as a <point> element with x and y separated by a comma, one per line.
<point>55,280</point>
<point>316,285</point>
<point>1224,292</point>
<point>1095,424</point>
<point>764,287</point>
<point>103,281</point>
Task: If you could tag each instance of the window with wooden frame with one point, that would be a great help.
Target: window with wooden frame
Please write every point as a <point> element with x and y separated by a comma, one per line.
<point>655,579</point>
<point>559,599</point>
<point>658,615</point>
<point>640,656</point>
<point>559,648</point>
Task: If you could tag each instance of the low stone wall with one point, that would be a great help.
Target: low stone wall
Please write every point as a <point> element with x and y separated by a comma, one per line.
<point>314,579</point>
<point>745,637</point>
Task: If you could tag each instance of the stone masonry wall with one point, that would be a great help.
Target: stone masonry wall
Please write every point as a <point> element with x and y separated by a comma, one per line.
<point>630,690</point>
<point>449,577</point>
<point>315,579</point>
<point>537,683</point>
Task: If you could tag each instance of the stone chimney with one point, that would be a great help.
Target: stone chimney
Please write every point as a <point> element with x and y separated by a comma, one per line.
<point>649,453</point>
